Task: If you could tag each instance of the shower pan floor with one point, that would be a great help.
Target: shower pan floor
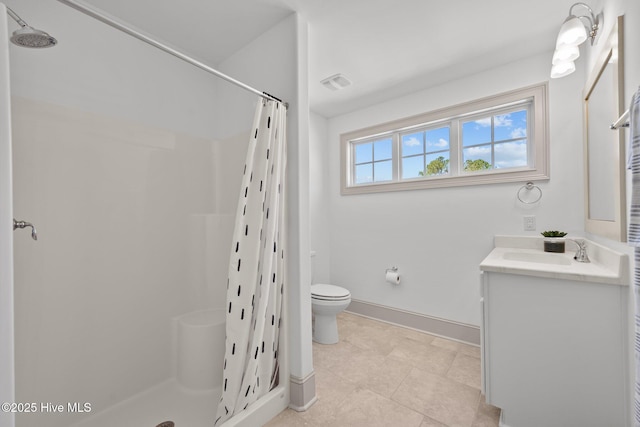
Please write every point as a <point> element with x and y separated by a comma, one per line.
<point>164,402</point>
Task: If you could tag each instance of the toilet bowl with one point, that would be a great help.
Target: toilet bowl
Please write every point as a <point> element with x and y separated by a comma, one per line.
<point>326,302</point>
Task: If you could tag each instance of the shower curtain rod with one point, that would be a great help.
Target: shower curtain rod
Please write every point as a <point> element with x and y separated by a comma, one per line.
<point>100,16</point>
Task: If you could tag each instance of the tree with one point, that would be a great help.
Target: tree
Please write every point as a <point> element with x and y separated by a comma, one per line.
<point>436,167</point>
<point>476,165</point>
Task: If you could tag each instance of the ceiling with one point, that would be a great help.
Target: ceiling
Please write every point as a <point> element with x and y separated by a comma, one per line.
<point>387,48</point>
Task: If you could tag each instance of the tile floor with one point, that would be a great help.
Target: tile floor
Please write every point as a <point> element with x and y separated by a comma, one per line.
<point>385,375</point>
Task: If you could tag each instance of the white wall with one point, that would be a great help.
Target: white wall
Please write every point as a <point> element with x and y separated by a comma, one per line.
<point>99,69</point>
<point>438,237</point>
<point>319,210</point>
<point>610,10</point>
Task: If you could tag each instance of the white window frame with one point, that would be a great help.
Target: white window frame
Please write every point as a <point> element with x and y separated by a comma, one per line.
<point>537,144</point>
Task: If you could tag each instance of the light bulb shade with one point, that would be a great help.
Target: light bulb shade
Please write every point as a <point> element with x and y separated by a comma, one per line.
<point>562,68</point>
<point>572,32</point>
<point>565,53</point>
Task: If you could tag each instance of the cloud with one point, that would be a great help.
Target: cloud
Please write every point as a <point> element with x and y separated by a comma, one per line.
<point>503,120</point>
<point>412,142</point>
<point>441,143</point>
<point>519,133</point>
<point>478,152</point>
<point>511,154</point>
<point>484,122</point>
<point>506,155</point>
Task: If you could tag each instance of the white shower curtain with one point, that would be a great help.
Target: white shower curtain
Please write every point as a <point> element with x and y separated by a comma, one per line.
<point>634,234</point>
<point>255,283</point>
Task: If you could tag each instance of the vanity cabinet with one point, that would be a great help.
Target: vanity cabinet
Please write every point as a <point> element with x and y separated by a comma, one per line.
<point>554,351</point>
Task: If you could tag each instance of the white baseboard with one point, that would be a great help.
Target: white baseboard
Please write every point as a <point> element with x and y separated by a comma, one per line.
<point>302,392</point>
<point>465,333</point>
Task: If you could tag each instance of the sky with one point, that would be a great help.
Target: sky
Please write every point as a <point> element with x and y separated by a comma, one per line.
<point>509,139</point>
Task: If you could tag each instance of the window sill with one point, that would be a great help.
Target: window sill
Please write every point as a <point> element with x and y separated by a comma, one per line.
<point>478,178</point>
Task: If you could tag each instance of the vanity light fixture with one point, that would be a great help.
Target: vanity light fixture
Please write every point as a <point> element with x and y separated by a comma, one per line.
<point>572,34</point>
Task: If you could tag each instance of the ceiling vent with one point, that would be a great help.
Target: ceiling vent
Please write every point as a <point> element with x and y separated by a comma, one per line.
<point>335,82</point>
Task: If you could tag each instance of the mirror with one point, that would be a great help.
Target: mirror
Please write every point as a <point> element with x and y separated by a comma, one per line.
<point>605,196</point>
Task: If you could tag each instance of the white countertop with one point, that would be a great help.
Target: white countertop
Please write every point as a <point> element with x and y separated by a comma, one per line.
<point>524,255</point>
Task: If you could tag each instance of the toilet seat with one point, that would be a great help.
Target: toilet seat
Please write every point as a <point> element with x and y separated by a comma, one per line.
<point>325,292</point>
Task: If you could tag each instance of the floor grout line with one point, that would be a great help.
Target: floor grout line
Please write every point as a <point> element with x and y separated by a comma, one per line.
<point>373,343</point>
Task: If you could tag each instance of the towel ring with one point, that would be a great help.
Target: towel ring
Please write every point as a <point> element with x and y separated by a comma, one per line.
<point>529,186</point>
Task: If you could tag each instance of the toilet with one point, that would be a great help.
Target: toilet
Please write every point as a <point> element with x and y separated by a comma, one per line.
<point>326,302</point>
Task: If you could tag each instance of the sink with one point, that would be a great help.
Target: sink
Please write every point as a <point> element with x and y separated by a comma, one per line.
<point>523,255</point>
<point>539,258</point>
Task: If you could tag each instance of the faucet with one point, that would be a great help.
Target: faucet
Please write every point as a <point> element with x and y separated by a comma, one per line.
<point>581,254</point>
<point>24,224</point>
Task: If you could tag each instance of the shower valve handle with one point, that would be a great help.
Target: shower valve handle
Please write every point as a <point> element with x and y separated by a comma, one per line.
<point>24,224</point>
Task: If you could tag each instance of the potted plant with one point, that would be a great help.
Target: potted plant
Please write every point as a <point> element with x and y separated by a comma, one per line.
<point>554,241</point>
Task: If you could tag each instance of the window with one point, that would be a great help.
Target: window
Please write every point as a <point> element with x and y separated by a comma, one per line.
<point>425,152</point>
<point>373,161</point>
<point>498,139</point>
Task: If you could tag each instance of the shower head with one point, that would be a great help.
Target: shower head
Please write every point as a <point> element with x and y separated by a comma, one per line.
<point>31,37</point>
<point>27,36</point>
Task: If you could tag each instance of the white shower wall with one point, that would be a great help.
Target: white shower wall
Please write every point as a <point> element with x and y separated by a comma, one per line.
<point>118,206</point>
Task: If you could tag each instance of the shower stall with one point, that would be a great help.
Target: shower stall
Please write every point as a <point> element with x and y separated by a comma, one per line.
<point>129,163</point>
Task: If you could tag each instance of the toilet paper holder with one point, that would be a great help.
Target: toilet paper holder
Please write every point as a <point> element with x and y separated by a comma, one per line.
<point>391,276</point>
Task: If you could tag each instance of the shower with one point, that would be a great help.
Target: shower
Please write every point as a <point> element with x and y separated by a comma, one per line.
<point>127,314</point>
<point>27,36</point>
